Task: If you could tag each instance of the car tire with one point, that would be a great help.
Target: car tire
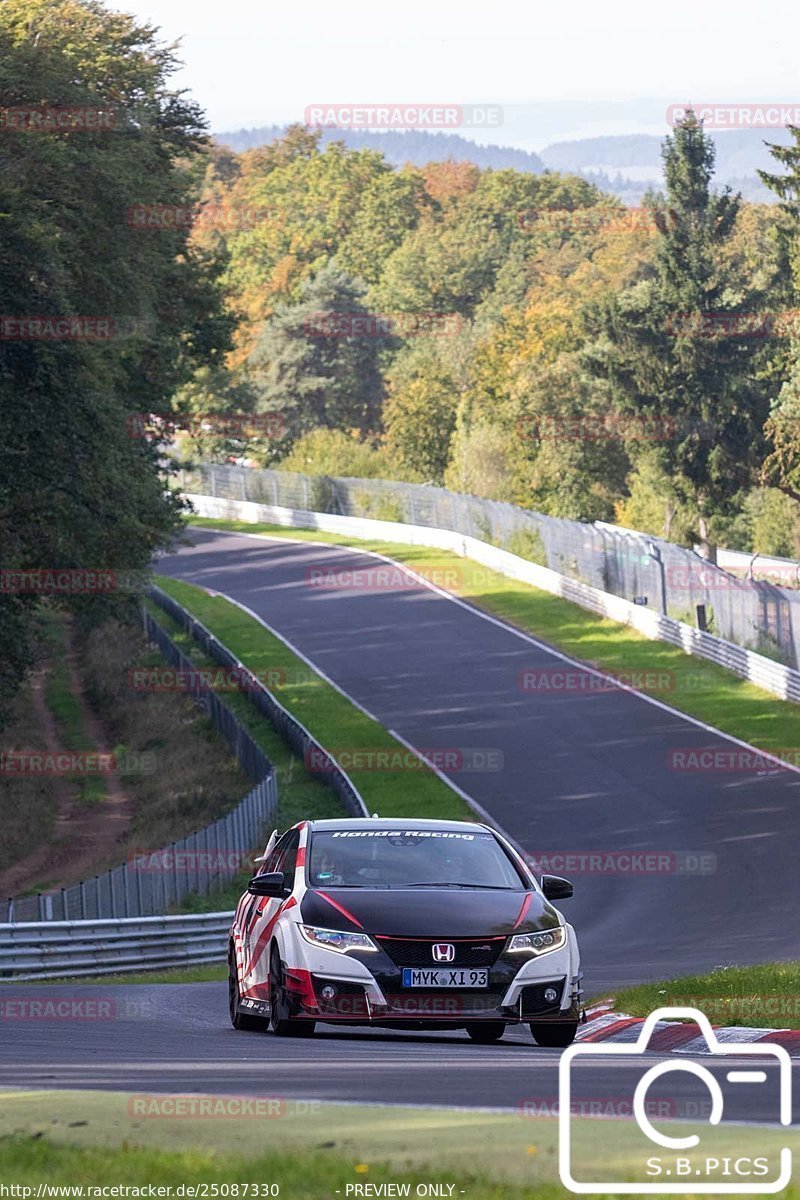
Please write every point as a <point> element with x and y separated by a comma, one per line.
<point>486,1032</point>
<point>239,1020</point>
<point>554,1033</point>
<point>280,1022</point>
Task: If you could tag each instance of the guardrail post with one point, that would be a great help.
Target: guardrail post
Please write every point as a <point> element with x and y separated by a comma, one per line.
<point>215,828</point>
<point>41,905</point>
<point>82,890</point>
<point>64,907</point>
<point>111,893</point>
<point>10,911</point>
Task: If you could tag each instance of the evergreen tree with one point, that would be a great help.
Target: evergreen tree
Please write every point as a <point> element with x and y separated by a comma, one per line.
<point>317,362</point>
<point>671,350</point>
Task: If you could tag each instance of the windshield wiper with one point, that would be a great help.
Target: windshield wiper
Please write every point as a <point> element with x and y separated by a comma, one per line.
<point>489,887</point>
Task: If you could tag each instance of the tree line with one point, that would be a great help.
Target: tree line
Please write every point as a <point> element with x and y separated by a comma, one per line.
<point>508,334</point>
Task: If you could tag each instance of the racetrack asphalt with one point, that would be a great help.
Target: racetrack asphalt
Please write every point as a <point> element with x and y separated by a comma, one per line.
<point>581,772</point>
<point>176,1038</point>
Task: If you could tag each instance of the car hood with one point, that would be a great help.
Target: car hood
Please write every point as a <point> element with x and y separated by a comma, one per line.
<point>428,912</point>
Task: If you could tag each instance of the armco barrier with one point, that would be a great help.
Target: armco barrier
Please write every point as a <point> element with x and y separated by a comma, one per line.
<point>290,729</point>
<point>772,676</point>
<point>54,949</point>
<point>635,566</point>
<point>154,881</point>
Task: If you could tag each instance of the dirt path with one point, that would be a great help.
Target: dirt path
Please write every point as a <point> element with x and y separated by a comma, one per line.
<point>84,840</point>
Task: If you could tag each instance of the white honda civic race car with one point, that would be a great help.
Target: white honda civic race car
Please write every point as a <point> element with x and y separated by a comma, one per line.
<point>402,923</point>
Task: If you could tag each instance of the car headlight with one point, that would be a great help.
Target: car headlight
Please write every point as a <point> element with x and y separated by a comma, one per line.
<point>538,943</point>
<point>334,939</point>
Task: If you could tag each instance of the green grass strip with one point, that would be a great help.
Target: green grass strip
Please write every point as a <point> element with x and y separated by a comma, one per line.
<point>766,996</point>
<point>691,685</point>
<point>333,720</point>
<point>321,1151</point>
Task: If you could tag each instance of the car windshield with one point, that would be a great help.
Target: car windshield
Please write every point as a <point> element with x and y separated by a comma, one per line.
<point>410,858</point>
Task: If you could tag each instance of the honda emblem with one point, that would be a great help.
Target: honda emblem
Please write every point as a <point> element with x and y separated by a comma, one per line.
<point>444,952</point>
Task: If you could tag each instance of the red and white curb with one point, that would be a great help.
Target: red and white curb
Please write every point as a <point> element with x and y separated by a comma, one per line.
<point>603,1024</point>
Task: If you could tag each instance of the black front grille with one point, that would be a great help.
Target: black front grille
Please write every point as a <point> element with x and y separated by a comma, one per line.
<point>414,952</point>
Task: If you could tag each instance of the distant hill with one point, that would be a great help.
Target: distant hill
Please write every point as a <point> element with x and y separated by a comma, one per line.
<point>626,165</point>
<point>633,161</point>
<point>399,147</point>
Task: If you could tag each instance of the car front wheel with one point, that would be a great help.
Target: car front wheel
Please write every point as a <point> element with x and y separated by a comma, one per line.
<point>554,1033</point>
<point>280,1022</point>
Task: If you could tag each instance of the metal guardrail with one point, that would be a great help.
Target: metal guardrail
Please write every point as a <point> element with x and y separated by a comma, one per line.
<point>54,949</point>
<point>765,672</point>
<point>155,880</point>
<point>125,937</point>
<point>665,577</point>
<point>304,744</point>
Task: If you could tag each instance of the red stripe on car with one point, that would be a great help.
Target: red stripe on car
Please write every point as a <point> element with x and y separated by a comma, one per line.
<point>526,903</point>
<point>340,908</point>
<point>266,933</point>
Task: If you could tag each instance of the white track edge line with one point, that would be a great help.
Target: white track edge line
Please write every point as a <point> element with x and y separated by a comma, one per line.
<point>526,637</point>
<point>478,808</point>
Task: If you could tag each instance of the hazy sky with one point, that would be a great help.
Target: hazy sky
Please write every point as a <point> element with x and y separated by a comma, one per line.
<point>251,63</point>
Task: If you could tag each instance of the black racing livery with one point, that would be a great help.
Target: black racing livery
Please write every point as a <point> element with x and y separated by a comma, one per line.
<point>403,923</point>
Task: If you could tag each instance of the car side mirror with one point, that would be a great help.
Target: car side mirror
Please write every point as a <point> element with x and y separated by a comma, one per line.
<point>556,888</point>
<point>271,883</point>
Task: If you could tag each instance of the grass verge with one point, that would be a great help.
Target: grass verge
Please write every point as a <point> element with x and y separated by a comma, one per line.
<point>766,996</point>
<point>317,1150</point>
<point>204,973</point>
<point>333,720</point>
<point>65,706</point>
<point>301,795</point>
<point>691,685</point>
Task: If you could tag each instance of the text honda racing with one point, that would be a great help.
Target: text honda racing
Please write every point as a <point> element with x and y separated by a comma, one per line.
<point>398,923</point>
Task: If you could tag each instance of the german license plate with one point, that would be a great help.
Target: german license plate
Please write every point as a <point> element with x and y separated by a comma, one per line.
<point>445,977</point>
